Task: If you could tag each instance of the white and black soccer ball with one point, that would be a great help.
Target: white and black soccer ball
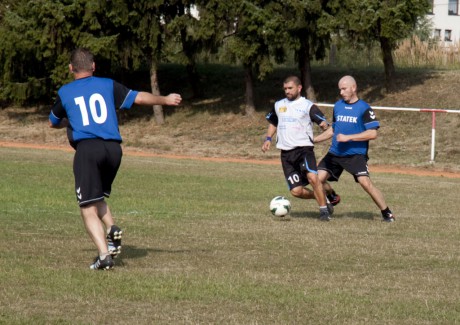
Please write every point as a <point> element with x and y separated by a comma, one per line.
<point>280,206</point>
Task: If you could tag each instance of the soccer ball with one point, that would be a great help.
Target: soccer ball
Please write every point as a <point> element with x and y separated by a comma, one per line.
<point>280,206</point>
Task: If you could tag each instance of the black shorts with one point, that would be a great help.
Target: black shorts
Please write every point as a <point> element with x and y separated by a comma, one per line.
<point>296,164</point>
<point>334,165</point>
<point>95,166</point>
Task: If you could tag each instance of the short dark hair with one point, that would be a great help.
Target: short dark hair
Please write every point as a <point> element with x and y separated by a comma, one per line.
<point>294,79</point>
<point>81,59</point>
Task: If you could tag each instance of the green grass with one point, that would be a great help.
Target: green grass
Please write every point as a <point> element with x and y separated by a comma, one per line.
<point>202,248</point>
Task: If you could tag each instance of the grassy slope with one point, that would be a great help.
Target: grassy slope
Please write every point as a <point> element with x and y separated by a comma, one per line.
<point>214,126</point>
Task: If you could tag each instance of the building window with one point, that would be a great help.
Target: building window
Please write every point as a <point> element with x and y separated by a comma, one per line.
<point>431,3</point>
<point>453,7</point>
<point>448,35</point>
<point>437,34</point>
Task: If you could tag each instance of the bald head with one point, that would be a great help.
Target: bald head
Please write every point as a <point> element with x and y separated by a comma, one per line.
<point>349,80</point>
<point>348,89</point>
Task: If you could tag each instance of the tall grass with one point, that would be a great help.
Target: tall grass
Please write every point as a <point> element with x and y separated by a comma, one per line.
<point>409,53</point>
<point>433,54</point>
<point>202,248</point>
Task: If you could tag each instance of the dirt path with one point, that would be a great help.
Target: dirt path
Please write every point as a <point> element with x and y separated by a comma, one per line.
<point>140,153</point>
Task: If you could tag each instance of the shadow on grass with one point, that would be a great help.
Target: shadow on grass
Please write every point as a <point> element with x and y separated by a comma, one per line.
<point>132,252</point>
<point>225,90</point>
<point>365,215</point>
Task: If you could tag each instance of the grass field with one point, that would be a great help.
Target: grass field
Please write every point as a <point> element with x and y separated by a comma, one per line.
<point>202,248</point>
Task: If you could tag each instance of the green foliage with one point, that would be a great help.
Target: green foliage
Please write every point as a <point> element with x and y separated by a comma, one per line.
<point>40,35</point>
<point>36,37</point>
<point>365,21</point>
<point>303,21</point>
<point>251,32</point>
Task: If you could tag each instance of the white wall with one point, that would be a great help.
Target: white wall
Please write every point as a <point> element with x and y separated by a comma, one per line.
<point>443,21</point>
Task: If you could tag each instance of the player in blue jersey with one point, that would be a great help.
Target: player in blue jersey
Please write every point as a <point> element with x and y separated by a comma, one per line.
<point>354,124</point>
<point>292,119</point>
<point>87,107</point>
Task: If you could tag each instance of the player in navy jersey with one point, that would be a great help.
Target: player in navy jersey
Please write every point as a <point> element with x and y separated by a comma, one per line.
<point>354,124</point>
<point>292,119</point>
<point>87,107</point>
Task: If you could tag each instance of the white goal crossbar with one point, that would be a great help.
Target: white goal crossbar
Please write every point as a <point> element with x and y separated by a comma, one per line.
<point>433,112</point>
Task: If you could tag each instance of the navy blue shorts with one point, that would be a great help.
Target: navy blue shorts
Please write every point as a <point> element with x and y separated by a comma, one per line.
<point>335,165</point>
<point>95,167</point>
<point>297,163</point>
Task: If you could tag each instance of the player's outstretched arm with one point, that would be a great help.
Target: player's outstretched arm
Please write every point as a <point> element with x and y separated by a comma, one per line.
<point>324,136</point>
<point>145,98</point>
<point>367,135</point>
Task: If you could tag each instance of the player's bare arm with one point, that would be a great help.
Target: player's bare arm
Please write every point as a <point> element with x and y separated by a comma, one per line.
<point>326,135</point>
<point>324,125</point>
<point>268,139</point>
<point>145,98</point>
<point>363,136</point>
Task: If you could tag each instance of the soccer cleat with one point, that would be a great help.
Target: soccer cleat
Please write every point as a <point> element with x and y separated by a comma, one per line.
<point>114,241</point>
<point>105,264</point>
<point>389,217</point>
<point>330,207</point>
<point>334,198</point>
<point>324,215</point>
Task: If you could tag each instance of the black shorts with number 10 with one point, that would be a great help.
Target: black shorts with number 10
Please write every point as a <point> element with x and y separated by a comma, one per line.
<point>296,164</point>
<point>95,167</point>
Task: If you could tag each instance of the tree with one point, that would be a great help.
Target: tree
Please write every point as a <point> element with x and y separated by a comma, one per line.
<point>254,38</point>
<point>307,38</point>
<point>141,39</point>
<point>39,35</point>
<point>386,21</point>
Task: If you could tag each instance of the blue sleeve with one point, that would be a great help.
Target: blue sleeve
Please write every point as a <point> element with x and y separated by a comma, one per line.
<point>129,99</point>
<point>123,96</point>
<point>370,120</point>
<point>57,112</point>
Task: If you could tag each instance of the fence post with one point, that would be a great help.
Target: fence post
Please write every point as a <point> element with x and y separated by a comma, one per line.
<point>433,136</point>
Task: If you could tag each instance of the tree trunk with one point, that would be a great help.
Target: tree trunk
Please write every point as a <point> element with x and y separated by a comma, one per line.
<point>157,109</point>
<point>305,69</point>
<point>387,55</point>
<point>333,55</point>
<point>249,109</point>
<point>189,52</point>
<point>194,79</point>
<point>192,72</point>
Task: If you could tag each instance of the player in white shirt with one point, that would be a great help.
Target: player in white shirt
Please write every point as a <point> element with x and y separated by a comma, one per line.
<point>292,119</point>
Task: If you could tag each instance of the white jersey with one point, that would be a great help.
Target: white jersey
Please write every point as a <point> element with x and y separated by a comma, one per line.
<point>295,122</point>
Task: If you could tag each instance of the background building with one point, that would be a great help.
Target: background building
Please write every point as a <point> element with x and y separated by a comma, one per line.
<point>446,20</point>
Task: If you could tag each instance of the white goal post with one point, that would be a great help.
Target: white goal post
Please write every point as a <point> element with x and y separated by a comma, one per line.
<point>433,112</point>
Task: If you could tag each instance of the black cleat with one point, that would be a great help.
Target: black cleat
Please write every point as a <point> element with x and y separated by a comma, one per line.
<point>105,264</point>
<point>333,198</point>
<point>114,241</point>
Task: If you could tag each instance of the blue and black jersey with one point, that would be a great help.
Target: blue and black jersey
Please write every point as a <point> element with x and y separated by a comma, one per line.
<point>352,119</point>
<point>90,106</point>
